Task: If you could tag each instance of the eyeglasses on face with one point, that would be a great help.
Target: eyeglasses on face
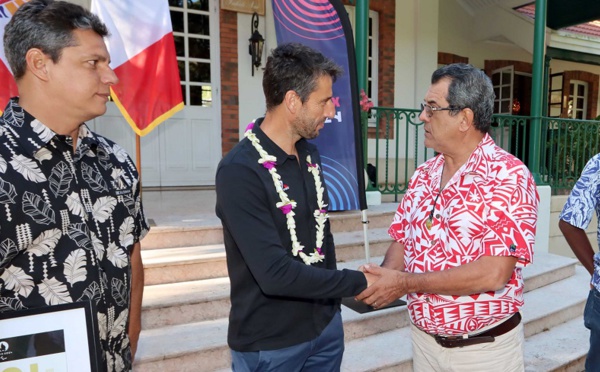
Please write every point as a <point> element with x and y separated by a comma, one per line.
<point>429,110</point>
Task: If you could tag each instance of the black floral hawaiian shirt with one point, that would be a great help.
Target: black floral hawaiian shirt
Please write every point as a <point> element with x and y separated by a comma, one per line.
<point>68,222</point>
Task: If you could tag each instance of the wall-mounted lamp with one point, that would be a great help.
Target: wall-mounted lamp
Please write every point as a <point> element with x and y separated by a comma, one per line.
<point>256,43</point>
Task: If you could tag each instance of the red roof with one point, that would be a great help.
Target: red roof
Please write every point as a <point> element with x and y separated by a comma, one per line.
<point>590,28</point>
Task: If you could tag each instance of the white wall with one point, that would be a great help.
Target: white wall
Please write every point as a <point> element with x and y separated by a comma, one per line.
<point>492,34</point>
<point>251,98</point>
<point>416,35</point>
<point>557,65</point>
<point>416,50</point>
<point>84,3</point>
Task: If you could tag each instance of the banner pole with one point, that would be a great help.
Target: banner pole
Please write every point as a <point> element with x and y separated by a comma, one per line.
<point>365,223</point>
<point>138,159</point>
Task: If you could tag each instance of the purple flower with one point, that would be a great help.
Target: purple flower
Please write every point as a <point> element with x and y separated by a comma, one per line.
<point>286,208</point>
<point>311,165</point>
<point>269,164</point>
<point>319,250</point>
<point>250,126</point>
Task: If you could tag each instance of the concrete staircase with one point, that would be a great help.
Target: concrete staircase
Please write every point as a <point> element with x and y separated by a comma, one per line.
<point>186,304</point>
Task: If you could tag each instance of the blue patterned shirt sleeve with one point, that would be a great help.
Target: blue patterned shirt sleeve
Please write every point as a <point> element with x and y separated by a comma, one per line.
<point>583,200</point>
<point>585,196</point>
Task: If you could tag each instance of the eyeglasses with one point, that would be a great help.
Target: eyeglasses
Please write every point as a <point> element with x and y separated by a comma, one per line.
<point>429,110</point>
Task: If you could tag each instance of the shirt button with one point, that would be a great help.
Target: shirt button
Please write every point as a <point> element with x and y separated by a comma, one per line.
<point>433,241</point>
<point>437,216</point>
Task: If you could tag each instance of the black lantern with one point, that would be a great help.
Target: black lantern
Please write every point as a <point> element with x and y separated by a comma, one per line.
<point>256,43</point>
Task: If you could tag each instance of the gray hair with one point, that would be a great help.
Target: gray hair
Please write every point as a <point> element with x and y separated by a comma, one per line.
<point>47,25</point>
<point>469,88</point>
<point>296,67</point>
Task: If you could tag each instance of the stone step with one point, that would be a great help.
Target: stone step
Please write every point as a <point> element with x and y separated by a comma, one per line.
<point>204,343</point>
<point>193,301</point>
<point>172,265</point>
<point>184,348</point>
<point>556,303</point>
<point>561,348</point>
<point>186,235</point>
<point>386,351</point>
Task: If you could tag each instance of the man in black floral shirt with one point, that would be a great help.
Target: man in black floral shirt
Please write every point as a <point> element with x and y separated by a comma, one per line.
<point>71,218</point>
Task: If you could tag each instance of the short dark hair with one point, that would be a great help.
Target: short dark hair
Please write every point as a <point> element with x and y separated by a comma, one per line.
<point>296,67</point>
<point>47,25</point>
<point>470,88</point>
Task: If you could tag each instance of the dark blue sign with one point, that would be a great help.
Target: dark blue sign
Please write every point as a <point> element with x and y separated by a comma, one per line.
<point>324,25</point>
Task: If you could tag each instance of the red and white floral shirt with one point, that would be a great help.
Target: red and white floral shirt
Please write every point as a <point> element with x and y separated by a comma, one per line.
<point>488,208</point>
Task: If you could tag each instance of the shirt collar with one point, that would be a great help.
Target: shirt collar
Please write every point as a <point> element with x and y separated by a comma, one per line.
<point>472,165</point>
<point>33,135</point>
<point>271,147</point>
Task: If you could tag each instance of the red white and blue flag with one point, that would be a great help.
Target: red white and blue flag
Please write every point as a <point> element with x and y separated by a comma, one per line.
<point>142,51</point>
<point>8,87</point>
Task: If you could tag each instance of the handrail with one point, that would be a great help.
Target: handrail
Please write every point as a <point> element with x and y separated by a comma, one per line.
<point>566,146</point>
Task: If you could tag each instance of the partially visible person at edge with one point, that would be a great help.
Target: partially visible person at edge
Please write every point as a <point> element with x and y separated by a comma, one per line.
<point>462,233</point>
<point>272,202</point>
<point>573,221</point>
<point>72,218</point>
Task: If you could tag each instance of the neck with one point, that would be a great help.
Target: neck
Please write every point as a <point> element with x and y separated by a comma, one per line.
<point>58,123</point>
<point>280,133</point>
<point>453,160</point>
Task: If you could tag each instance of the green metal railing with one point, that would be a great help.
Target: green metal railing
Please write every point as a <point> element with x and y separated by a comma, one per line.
<point>395,160</point>
<point>566,146</point>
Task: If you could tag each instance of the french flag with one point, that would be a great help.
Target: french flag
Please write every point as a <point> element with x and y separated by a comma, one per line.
<point>8,87</point>
<point>142,51</point>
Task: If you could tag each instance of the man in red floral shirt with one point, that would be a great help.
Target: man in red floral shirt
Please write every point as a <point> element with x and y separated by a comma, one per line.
<point>462,232</point>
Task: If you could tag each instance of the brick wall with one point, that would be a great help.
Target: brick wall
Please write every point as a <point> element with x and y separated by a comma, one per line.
<point>387,42</point>
<point>520,66</point>
<point>229,81</point>
<point>449,58</point>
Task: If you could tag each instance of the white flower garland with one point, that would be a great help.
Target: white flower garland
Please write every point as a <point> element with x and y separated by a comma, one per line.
<point>287,206</point>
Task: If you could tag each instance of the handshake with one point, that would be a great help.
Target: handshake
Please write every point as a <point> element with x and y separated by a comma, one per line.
<point>383,285</point>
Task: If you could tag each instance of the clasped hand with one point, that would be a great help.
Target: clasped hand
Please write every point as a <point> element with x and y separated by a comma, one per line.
<point>384,285</point>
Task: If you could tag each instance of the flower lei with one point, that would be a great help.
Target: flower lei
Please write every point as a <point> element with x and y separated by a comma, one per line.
<point>287,206</point>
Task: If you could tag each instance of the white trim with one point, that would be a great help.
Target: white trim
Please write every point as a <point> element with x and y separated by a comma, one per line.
<point>373,72</point>
<point>573,98</point>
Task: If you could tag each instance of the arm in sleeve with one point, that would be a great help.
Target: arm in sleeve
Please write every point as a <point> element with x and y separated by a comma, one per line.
<point>512,218</point>
<point>578,210</point>
<point>135,302</point>
<point>247,216</point>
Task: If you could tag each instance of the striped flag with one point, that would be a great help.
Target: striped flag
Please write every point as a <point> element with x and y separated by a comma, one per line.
<point>8,87</point>
<point>142,51</point>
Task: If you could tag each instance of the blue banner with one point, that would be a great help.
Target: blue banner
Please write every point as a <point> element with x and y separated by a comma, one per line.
<point>324,25</point>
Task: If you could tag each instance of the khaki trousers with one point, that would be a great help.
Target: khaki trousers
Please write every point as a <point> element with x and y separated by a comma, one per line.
<point>505,354</point>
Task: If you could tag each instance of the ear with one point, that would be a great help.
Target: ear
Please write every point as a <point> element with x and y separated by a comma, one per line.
<point>292,101</point>
<point>37,63</point>
<point>466,119</point>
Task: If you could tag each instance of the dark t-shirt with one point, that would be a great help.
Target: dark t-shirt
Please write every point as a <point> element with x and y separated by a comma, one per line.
<point>276,299</point>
